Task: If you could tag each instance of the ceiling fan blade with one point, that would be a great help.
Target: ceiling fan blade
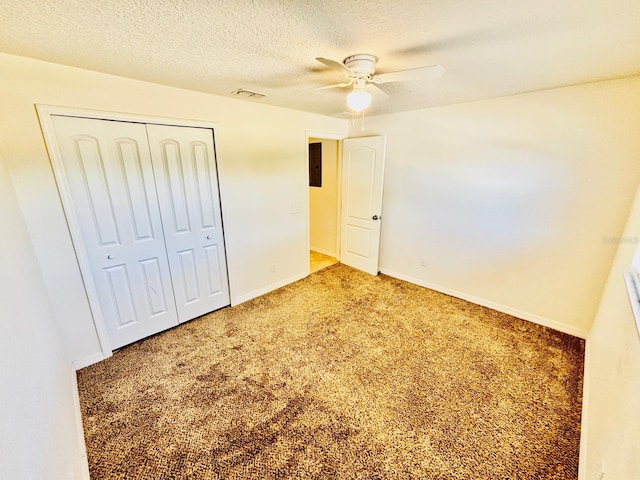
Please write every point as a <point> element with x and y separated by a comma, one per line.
<point>333,64</point>
<point>335,85</point>
<point>431,71</point>
<point>376,92</point>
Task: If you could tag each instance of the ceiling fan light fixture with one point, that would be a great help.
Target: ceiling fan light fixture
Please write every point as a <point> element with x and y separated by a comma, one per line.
<point>359,99</point>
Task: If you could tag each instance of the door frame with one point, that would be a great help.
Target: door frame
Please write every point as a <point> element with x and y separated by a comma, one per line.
<point>45,114</point>
<point>324,136</point>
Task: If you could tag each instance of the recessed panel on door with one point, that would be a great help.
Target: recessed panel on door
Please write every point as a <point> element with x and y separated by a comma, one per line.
<point>107,168</point>
<point>86,165</point>
<point>157,301</point>
<point>174,184</point>
<point>136,191</point>
<point>188,273</point>
<point>185,171</point>
<point>359,241</point>
<point>214,263</point>
<point>203,177</point>
<point>361,174</point>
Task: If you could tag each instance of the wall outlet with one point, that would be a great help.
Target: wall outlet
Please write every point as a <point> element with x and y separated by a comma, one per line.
<point>423,261</point>
<point>272,268</point>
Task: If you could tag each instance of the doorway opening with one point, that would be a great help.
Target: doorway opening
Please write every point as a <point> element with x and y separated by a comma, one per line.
<point>324,192</point>
<point>318,261</point>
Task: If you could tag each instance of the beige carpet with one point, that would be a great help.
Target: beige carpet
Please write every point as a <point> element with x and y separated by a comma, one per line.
<point>320,260</point>
<point>339,376</point>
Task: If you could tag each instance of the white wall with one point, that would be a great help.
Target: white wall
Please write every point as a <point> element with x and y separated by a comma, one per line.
<point>511,200</point>
<point>262,163</point>
<point>611,420</point>
<point>323,202</point>
<point>39,436</point>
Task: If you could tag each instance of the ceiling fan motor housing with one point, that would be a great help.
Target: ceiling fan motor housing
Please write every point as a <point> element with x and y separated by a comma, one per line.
<point>361,64</point>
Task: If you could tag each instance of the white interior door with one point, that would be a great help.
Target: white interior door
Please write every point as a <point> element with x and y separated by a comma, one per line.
<point>362,179</point>
<point>187,182</point>
<point>108,170</point>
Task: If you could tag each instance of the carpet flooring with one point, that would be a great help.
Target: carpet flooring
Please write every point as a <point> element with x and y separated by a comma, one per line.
<point>318,261</point>
<point>341,375</point>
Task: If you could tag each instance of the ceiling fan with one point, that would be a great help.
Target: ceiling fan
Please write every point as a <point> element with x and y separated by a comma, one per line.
<point>360,71</point>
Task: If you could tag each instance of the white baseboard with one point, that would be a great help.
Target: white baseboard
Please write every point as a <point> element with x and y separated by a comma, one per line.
<point>582,459</point>
<point>261,291</point>
<point>324,252</point>
<point>545,322</point>
<point>90,360</point>
<point>83,474</point>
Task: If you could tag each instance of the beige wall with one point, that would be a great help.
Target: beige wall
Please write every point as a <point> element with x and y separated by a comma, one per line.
<point>611,421</point>
<point>39,438</point>
<point>262,164</point>
<point>509,199</point>
<point>323,202</point>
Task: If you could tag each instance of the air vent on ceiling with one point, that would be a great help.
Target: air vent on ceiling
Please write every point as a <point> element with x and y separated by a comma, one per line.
<point>243,92</point>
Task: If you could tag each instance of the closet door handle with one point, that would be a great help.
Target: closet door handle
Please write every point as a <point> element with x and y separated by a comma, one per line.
<point>208,237</point>
<point>109,257</point>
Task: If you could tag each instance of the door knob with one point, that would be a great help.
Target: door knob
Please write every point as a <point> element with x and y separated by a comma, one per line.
<point>208,237</point>
<point>110,257</point>
<point>375,217</point>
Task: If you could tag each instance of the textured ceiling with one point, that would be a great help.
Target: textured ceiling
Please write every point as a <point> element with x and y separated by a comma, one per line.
<point>489,48</point>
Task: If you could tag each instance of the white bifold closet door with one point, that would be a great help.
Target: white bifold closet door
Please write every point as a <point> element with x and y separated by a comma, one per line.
<point>187,185</point>
<point>145,199</point>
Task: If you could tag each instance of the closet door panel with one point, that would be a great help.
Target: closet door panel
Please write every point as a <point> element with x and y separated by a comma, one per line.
<point>108,171</point>
<point>215,259</point>
<point>186,177</point>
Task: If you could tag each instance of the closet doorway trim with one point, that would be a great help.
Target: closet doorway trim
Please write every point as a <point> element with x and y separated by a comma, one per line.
<point>45,114</point>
